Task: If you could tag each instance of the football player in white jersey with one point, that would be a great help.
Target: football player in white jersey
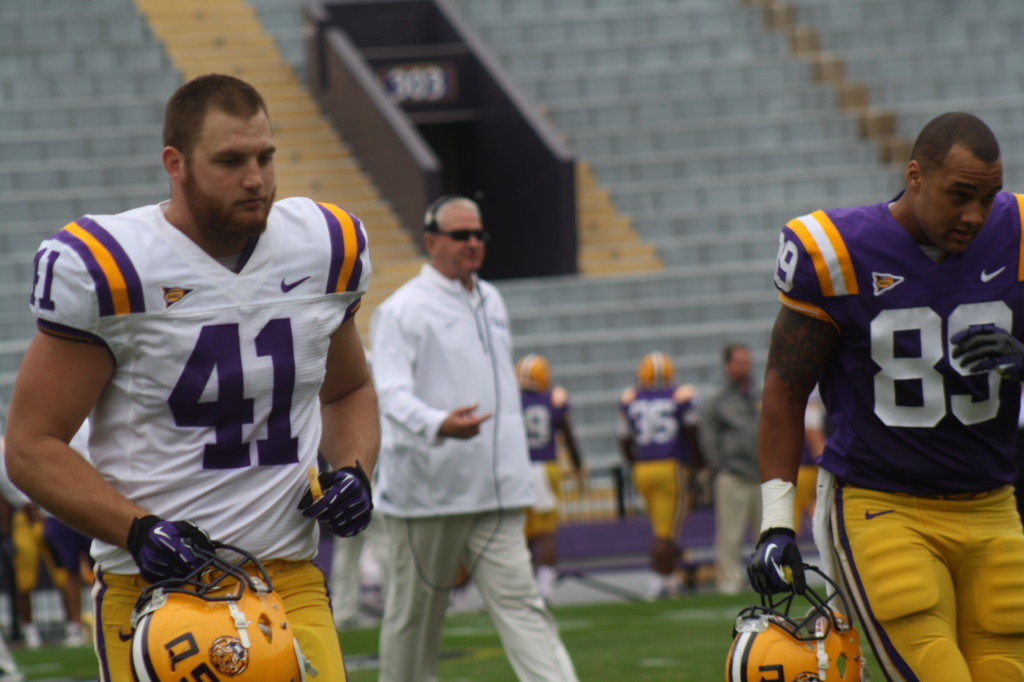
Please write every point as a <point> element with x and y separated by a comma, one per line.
<point>210,338</point>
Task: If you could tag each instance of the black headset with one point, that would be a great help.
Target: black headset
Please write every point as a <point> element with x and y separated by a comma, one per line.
<point>430,217</point>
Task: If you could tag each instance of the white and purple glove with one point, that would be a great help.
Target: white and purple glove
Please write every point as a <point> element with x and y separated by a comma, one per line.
<point>777,565</point>
<point>986,347</point>
<point>345,505</point>
<point>166,549</point>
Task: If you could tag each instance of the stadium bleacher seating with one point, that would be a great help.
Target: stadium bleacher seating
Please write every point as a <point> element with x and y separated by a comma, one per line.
<point>920,59</point>
<point>710,135</point>
<point>82,87</point>
<point>711,130</point>
<point>706,124</point>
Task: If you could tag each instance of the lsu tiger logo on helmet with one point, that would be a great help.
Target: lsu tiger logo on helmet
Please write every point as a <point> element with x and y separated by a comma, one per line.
<point>533,373</point>
<point>222,622</point>
<point>655,371</point>
<point>769,643</point>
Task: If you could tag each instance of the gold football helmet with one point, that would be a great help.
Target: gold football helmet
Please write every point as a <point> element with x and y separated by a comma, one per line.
<point>533,373</point>
<point>223,621</point>
<point>655,371</point>
<point>821,646</point>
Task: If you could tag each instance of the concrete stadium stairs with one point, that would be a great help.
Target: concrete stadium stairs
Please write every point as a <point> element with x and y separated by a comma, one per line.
<point>608,243</point>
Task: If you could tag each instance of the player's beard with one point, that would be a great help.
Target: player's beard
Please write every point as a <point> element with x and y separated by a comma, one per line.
<point>219,223</point>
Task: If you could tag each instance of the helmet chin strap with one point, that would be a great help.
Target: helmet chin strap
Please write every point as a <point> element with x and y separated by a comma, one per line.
<point>306,666</point>
<point>241,624</point>
<point>821,627</point>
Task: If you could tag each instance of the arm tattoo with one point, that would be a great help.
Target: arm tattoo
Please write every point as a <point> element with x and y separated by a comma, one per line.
<point>800,346</point>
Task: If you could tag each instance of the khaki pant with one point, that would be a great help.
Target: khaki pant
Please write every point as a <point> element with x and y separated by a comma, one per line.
<point>423,557</point>
<point>737,509</point>
<point>346,577</point>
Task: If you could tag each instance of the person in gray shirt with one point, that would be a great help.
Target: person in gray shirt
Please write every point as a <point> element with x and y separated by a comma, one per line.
<point>728,422</point>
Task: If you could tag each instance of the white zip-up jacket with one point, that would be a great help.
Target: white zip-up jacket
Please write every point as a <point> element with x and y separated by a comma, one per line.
<point>436,347</point>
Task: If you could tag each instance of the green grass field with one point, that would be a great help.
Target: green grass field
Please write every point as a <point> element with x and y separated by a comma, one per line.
<point>683,640</point>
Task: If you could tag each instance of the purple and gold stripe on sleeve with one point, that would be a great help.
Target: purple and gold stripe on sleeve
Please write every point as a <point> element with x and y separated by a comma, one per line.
<point>347,243</point>
<point>353,307</point>
<point>808,309</point>
<point>828,253</point>
<point>118,288</point>
<point>69,333</point>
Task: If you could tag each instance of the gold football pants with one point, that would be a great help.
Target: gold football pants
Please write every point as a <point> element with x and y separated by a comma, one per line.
<point>938,584</point>
<point>662,483</point>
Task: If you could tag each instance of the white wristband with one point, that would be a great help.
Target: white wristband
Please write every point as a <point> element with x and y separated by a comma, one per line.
<point>778,498</point>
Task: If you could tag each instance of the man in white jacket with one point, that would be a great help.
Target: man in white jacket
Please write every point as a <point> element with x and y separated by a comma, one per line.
<point>454,473</point>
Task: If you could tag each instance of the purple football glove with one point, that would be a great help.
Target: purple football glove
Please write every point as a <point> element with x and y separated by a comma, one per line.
<point>345,507</point>
<point>166,549</point>
<point>986,347</point>
<point>776,565</point>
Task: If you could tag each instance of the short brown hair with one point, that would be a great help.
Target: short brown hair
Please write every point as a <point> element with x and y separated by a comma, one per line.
<point>943,132</point>
<point>187,108</point>
<point>730,348</point>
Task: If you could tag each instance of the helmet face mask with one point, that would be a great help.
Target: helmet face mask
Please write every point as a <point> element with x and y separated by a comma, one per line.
<point>223,621</point>
<point>655,370</point>
<point>770,643</point>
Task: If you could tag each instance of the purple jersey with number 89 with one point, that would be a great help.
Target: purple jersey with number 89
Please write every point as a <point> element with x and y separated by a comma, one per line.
<point>908,418</point>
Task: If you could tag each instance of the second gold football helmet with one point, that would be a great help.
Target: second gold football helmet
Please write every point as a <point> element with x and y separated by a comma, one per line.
<point>655,370</point>
<point>533,373</point>
<point>821,646</point>
<point>224,621</point>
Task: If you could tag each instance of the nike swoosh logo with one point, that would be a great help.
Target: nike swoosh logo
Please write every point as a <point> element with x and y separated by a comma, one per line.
<point>123,637</point>
<point>288,286</point>
<point>775,564</point>
<point>160,532</point>
<point>989,276</point>
<point>869,515</point>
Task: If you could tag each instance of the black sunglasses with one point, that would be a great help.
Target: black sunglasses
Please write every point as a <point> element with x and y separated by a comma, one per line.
<point>465,235</point>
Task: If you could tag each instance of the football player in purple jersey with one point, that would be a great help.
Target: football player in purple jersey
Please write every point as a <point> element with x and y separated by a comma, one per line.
<point>546,415</point>
<point>658,441</point>
<point>908,311</point>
